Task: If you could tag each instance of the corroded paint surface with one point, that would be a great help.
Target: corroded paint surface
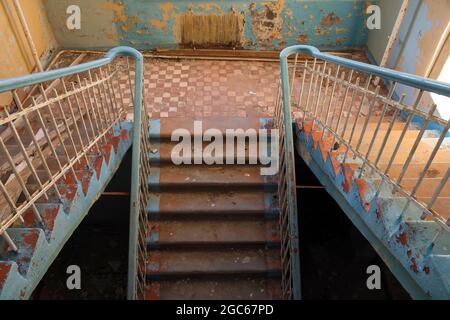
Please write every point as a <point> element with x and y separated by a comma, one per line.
<point>404,239</point>
<point>17,59</point>
<point>264,25</point>
<point>39,243</point>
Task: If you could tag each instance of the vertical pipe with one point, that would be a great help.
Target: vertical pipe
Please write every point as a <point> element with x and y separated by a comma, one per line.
<point>28,36</point>
<point>394,33</point>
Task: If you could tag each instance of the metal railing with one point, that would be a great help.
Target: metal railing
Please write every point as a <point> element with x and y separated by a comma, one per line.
<point>290,258</point>
<point>383,129</point>
<point>61,130</point>
<point>139,200</point>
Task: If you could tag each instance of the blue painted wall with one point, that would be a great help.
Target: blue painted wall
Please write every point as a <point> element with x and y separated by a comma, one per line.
<point>266,25</point>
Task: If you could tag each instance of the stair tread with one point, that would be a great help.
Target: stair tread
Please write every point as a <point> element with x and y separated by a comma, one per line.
<point>214,175</point>
<point>213,232</point>
<point>233,202</point>
<point>230,288</point>
<point>168,125</point>
<point>215,261</point>
<point>162,152</point>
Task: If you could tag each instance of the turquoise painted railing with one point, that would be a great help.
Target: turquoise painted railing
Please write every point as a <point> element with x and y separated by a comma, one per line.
<point>386,133</point>
<point>104,115</point>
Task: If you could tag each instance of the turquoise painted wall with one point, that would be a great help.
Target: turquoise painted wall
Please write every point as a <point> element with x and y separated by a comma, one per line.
<point>266,25</point>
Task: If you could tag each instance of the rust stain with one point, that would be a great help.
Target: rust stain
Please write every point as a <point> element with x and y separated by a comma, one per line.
<point>166,8</point>
<point>303,38</point>
<point>128,26</point>
<point>118,9</point>
<point>330,20</point>
<point>49,217</point>
<point>339,41</point>
<point>267,22</point>
<point>402,239</point>
<point>413,265</point>
<point>348,177</point>
<point>4,270</point>
<point>30,239</point>
<point>340,30</point>
<point>426,269</point>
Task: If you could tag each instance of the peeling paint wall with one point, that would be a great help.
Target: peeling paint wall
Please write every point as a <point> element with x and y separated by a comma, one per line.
<point>262,25</point>
<point>378,39</point>
<point>16,57</point>
<point>422,27</point>
<point>424,24</point>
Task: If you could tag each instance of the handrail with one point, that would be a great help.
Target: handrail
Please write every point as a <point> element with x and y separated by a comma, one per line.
<point>381,136</point>
<point>287,191</point>
<point>418,82</point>
<point>36,78</point>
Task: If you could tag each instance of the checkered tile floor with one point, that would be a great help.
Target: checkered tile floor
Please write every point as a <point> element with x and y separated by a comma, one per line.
<point>197,88</point>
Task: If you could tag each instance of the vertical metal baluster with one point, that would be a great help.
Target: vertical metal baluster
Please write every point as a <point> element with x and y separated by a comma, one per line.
<point>83,121</point>
<point>10,241</point>
<point>431,158</point>
<point>383,113</point>
<point>347,89</point>
<point>36,143</point>
<point>69,133</point>
<point>108,101</point>
<point>86,107</point>
<point>311,79</point>
<point>333,90</point>
<point>25,154</point>
<point>322,75</point>
<point>438,190</point>
<point>366,123</point>
<point>358,113</point>
<point>416,143</point>
<point>405,129</point>
<point>389,130</point>
<point>324,99</point>
<point>100,109</point>
<point>95,112</point>
<point>11,203</point>
<point>103,102</point>
<point>350,108</point>
<point>369,114</point>
<point>302,89</point>
<point>293,74</point>
<point>19,179</point>
<point>74,119</point>
<point>129,81</point>
<point>46,134</point>
<point>336,99</point>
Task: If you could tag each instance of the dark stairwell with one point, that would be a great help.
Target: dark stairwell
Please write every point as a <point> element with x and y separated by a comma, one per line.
<point>333,253</point>
<point>99,246</point>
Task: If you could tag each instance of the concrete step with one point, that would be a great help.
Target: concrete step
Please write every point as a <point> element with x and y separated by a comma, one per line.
<point>163,128</point>
<point>223,288</point>
<point>161,152</point>
<point>189,203</point>
<point>441,206</point>
<point>213,232</point>
<point>223,261</point>
<point>48,213</point>
<point>204,176</point>
<point>27,241</point>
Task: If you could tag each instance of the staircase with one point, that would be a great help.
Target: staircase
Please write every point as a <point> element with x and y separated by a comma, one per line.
<point>214,230</point>
<point>374,139</point>
<point>62,137</point>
